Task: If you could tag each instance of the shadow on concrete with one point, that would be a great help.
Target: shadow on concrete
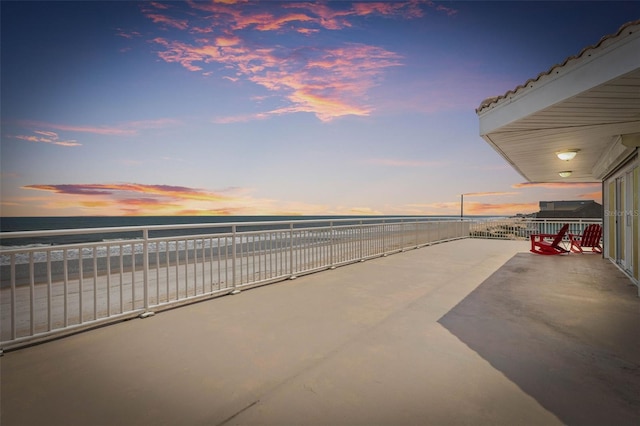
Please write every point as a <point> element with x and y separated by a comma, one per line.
<point>565,329</point>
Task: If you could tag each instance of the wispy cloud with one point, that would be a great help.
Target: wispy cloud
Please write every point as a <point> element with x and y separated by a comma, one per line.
<point>363,211</point>
<point>174,192</point>
<point>392,162</point>
<point>500,208</point>
<point>473,208</point>
<point>49,137</point>
<point>244,118</point>
<point>329,82</point>
<point>122,129</point>
<point>487,194</point>
<point>127,34</point>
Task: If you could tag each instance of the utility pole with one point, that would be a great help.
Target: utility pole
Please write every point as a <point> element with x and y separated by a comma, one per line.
<point>461,206</point>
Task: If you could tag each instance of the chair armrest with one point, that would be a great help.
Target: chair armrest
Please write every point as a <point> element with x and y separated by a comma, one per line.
<point>542,236</point>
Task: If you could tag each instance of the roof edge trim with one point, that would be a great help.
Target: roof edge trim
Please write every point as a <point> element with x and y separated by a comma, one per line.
<point>495,100</point>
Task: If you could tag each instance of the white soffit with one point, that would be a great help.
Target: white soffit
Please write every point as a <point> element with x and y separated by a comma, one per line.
<point>580,104</point>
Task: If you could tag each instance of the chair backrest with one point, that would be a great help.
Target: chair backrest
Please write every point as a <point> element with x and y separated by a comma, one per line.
<point>591,236</point>
<point>560,235</point>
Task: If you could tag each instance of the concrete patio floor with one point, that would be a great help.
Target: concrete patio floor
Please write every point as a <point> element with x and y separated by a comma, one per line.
<point>467,332</point>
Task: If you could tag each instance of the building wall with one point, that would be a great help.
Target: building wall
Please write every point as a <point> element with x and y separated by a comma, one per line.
<point>621,221</point>
<point>636,210</point>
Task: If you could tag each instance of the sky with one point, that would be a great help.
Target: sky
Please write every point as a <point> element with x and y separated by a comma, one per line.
<point>274,108</point>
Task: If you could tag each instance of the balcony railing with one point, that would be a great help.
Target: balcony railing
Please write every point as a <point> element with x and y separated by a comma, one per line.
<point>522,227</point>
<point>59,282</point>
<point>100,275</point>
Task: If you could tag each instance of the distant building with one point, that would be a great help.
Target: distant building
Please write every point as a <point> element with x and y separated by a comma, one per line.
<point>576,208</point>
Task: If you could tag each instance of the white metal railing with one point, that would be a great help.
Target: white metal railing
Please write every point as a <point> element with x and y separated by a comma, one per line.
<point>52,289</point>
<point>523,227</point>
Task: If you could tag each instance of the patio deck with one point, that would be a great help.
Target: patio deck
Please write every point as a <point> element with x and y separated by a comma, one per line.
<point>465,332</point>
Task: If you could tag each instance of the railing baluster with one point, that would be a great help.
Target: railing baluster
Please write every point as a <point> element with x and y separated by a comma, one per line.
<point>108,280</point>
<point>13,298</point>
<point>49,293</point>
<point>65,268</point>
<point>32,296</point>
<point>121,255</point>
<point>80,285</point>
<point>95,283</point>
<point>234,249</point>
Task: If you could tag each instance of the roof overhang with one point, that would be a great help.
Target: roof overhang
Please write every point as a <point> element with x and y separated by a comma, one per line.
<point>590,103</point>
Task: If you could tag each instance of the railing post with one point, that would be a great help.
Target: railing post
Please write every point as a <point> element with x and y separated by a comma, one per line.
<point>361,234</point>
<point>291,270</point>
<point>331,242</point>
<point>145,265</point>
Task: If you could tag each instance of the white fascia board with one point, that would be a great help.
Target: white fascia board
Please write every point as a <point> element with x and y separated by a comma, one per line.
<point>578,76</point>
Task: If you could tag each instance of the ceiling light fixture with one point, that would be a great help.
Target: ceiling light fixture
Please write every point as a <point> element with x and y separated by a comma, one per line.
<point>566,173</point>
<point>567,154</point>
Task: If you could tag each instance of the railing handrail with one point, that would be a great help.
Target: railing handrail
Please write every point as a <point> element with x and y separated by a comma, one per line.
<point>64,286</point>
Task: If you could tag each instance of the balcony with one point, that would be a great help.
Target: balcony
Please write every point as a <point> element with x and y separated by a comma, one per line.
<point>469,331</point>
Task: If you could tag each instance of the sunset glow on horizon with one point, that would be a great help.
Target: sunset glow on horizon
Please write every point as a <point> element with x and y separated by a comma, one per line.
<point>274,108</point>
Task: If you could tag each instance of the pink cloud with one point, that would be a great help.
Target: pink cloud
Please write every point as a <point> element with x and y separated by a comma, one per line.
<point>159,5</point>
<point>325,16</point>
<point>409,9</point>
<point>174,192</point>
<point>242,15</point>
<point>181,24</point>
<point>328,82</point>
<point>277,23</point>
<point>227,41</point>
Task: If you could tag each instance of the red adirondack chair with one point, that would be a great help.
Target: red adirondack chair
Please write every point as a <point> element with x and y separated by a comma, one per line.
<point>590,238</point>
<point>540,243</point>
